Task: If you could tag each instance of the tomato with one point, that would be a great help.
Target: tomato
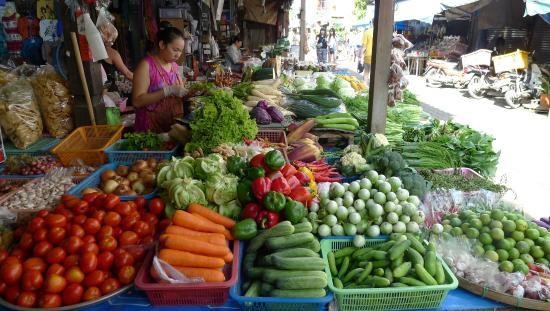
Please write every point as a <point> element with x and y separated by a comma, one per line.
<point>151,219</point>
<point>88,239</point>
<point>99,215</point>
<point>140,202</point>
<point>137,251</point>
<point>147,240</point>
<point>91,293</point>
<point>40,234</point>
<point>108,243</point>
<point>105,260</point>
<point>12,293</point>
<point>41,248</point>
<point>3,287</point>
<point>126,274</point>
<point>32,280</point>
<point>27,299</point>
<point>79,219</point>
<point>3,255</point>
<point>56,220</point>
<point>65,212</point>
<point>142,228</point>
<point>71,202</point>
<point>88,262</point>
<point>117,231</point>
<point>156,206</point>
<point>105,231</point>
<point>36,223</point>
<point>110,201</point>
<point>112,219</point>
<point>26,241</point>
<point>94,278</point>
<point>129,221</point>
<point>42,213</point>
<point>19,253</point>
<point>55,269</point>
<point>109,285</point>
<point>35,263</point>
<point>91,226</point>
<point>124,259</point>
<point>89,248</point>
<point>56,235</point>
<point>123,208</point>
<point>54,284</point>
<point>11,270</point>
<point>74,275</point>
<point>68,197</point>
<point>73,244</point>
<point>128,238</point>
<point>73,294</point>
<point>49,301</point>
<point>71,261</point>
<point>81,208</point>
<point>56,255</point>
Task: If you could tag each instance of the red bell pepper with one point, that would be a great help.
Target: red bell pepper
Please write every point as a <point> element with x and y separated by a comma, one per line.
<point>301,194</point>
<point>293,182</point>
<point>260,187</point>
<point>288,170</point>
<point>274,175</point>
<point>251,210</point>
<point>267,219</point>
<point>302,177</point>
<point>258,160</point>
<point>280,185</point>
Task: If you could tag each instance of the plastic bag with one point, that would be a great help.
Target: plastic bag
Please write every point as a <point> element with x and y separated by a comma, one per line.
<point>104,24</point>
<point>168,274</point>
<point>19,113</point>
<point>54,100</point>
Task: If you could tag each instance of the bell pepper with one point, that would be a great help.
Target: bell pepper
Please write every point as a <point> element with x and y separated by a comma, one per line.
<point>244,192</point>
<point>245,229</point>
<point>301,194</point>
<point>254,172</point>
<point>236,165</point>
<point>288,170</point>
<point>267,219</point>
<point>280,185</point>
<point>258,160</point>
<point>260,187</point>
<point>251,210</point>
<point>312,185</point>
<point>303,178</point>
<point>274,159</point>
<point>293,182</point>
<point>274,201</point>
<point>294,211</point>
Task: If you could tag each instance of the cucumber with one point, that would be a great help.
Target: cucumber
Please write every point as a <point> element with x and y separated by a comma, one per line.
<point>397,262</point>
<point>323,101</point>
<point>293,252</point>
<point>423,275</point>
<point>398,249</point>
<point>416,244</point>
<point>378,255</point>
<point>303,227</point>
<point>388,274</point>
<point>298,263</point>
<point>299,293</point>
<point>381,263</point>
<point>332,263</point>
<point>266,288</point>
<point>359,252</point>
<point>343,267</point>
<point>415,256</point>
<point>385,246</point>
<point>288,241</point>
<point>332,121</point>
<point>402,269</point>
<point>248,263</point>
<point>254,289</point>
<point>379,271</point>
<point>430,261</point>
<point>321,92</point>
<point>281,229</point>
<point>301,282</point>
<point>352,274</point>
<point>337,283</point>
<point>398,284</point>
<point>378,281</point>
<point>411,281</point>
<point>343,252</point>
<point>255,272</point>
<point>365,273</point>
<point>313,245</point>
<point>439,273</point>
<point>271,275</point>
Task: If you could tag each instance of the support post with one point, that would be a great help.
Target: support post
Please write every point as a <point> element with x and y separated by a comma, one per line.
<point>303,30</point>
<point>380,67</point>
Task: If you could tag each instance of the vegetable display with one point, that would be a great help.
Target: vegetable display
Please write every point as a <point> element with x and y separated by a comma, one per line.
<point>337,121</point>
<point>29,165</point>
<point>144,142</point>
<point>136,179</point>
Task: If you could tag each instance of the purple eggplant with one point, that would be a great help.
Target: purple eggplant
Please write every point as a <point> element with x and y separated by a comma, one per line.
<point>542,224</point>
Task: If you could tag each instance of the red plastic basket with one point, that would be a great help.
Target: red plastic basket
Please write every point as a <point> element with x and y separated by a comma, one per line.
<point>273,136</point>
<point>163,294</point>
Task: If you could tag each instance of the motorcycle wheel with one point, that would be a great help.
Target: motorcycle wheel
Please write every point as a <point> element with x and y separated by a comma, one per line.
<point>512,98</point>
<point>430,77</point>
<point>474,87</point>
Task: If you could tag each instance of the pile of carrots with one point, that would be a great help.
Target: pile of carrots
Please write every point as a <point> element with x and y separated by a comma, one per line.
<point>196,243</point>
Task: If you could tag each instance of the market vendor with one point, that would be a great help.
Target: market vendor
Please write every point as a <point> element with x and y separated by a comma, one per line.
<point>157,85</point>
<point>233,57</point>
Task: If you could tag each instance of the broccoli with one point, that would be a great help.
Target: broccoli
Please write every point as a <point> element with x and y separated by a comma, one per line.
<point>389,163</point>
<point>414,182</point>
<point>353,163</point>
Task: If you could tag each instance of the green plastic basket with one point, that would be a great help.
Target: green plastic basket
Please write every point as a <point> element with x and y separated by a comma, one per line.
<point>390,298</point>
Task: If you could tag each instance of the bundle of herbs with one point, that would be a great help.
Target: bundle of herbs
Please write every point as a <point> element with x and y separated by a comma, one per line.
<point>458,181</point>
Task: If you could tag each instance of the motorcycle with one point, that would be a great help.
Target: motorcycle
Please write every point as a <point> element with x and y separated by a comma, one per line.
<point>443,73</point>
<point>485,83</point>
<point>525,87</point>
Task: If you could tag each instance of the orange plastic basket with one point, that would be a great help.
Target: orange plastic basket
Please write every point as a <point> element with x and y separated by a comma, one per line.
<point>88,143</point>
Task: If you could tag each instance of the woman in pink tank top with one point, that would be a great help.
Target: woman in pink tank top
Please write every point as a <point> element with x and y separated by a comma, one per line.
<point>157,86</point>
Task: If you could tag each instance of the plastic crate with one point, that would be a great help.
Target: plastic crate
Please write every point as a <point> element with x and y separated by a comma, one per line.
<point>114,154</point>
<point>93,180</point>
<point>39,148</point>
<point>273,136</point>
<point>276,303</point>
<point>390,298</point>
<point>88,144</point>
<point>511,61</point>
<point>188,294</point>
<point>480,57</point>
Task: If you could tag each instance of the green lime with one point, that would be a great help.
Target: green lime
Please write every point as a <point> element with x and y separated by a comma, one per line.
<point>495,224</point>
<point>508,226</point>
<point>502,254</point>
<point>511,241</point>
<point>491,255</point>
<point>447,228</point>
<point>485,229</point>
<point>506,266</point>
<point>530,242</point>
<point>543,261</point>
<point>545,246</point>
<point>526,258</point>
<point>537,252</point>
<point>464,226</point>
<point>476,223</point>
<point>521,225</point>
<point>522,268</point>
<point>489,247</point>
<point>532,225</point>
<point>517,262</point>
<point>478,249</point>
<point>456,222</point>
<point>471,233</point>
<point>532,234</point>
<point>485,218</point>
<point>446,222</point>
<point>517,235</point>
<point>504,244</point>
<point>497,234</point>
<point>522,247</point>
<point>511,216</point>
<point>456,231</point>
<point>513,254</point>
<point>485,238</point>
<point>464,214</point>
<point>497,214</point>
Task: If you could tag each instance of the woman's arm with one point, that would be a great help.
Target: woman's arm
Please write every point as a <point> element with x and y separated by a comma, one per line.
<point>140,96</point>
<point>119,63</point>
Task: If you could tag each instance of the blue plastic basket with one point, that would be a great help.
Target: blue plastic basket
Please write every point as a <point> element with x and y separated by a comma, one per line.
<point>114,154</point>
<point>275,303</point>
<point>95,179</point>
<point>39,148</point>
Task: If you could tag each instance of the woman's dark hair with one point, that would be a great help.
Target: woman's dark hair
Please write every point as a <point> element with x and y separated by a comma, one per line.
<point>235,39</point>
<point>332,32</point>
<point>168,33</point>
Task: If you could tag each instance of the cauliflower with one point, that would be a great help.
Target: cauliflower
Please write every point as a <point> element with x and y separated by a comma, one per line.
<point>352,148</point>
<point>353,163</point>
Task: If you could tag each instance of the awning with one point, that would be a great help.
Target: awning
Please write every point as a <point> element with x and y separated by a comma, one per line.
<point>534,7</point>
<point>424,10</point>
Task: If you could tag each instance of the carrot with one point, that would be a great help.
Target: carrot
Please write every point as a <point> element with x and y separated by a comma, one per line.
<point>195,208</point>
<point>228,257</point>
<point>214,238</point>
<point>190,221</point>
<point>226,232</point>
<point>187,259</point>
<point>182,243</point>
<point>209,275</point>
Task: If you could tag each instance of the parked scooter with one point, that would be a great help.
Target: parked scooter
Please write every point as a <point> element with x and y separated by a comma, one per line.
<point>485,83</point>
<point>444,73</point>
<point>525,87</point>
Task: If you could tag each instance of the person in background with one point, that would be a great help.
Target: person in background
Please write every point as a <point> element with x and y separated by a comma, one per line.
<point>233,56</point>
<point>114,62</point>
<point>322,46</point>
<point>366,53</point>
<point>157,85</point>
<point>332,46</point>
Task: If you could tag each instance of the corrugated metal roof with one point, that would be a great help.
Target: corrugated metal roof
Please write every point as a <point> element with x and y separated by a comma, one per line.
<point>540,42</point>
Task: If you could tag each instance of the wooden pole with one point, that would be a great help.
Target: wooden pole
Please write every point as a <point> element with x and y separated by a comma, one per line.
<point>303,30</point>
<point>83,77</point>
<point>380,67</point>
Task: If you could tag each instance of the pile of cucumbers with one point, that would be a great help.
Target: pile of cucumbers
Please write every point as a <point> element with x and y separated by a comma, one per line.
<point>401,261</point>
<point>284,261</point>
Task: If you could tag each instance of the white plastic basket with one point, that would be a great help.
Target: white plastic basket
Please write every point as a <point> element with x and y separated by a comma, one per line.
<point>480,57</point>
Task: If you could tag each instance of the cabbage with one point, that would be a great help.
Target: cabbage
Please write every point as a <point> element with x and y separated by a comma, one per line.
<point>346,92</point>
<point>322,80</point>
<point>299,82</point>
<point>212,164</point>
<point>184,191</point>
<point>221,189</point>
<point>339,83</point>
<point>231,209</point>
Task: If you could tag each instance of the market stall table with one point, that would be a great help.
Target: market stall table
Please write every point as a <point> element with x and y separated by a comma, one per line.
<point>416,63</point>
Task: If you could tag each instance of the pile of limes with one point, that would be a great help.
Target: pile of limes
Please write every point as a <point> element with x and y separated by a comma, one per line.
<point>505,237</point>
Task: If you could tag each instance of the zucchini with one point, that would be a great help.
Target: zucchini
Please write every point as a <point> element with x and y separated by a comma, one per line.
<point>281,229</point>
<point>292,252</point>
<point>313,245</point>
<point>298,263</point>
<point>303,227</point>
<point>288,241</point>
<point>301,282</point>
<point>271,275</point>
<point>299,293</point>
<point>320,92</point>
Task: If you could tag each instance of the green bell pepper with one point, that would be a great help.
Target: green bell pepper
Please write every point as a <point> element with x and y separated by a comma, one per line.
<point>236,165</point>
<point>254,172</point>
<point>245,229</point>
<point>244,192</point>
<point>274,159</point>
<point>294,211</point>
<point>274,201</point>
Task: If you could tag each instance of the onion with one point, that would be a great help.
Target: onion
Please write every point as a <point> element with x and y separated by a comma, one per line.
<point>122,190</point>
<point>148,179</point>
<point>110,185</point>
<point>139,165</point>
<point>107,174</point>
<point>90,190</point>
<point>122,170</point>
<point>124,181</point>
<point>138,186</point>
<point>132,176</point>
<point>152,163</point>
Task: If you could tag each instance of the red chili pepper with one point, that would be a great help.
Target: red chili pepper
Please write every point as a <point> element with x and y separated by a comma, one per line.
<point>288,170</point>
<point>251,210</point>
<point>327,179</point>
<point>293,182</point>
<point>267,219</point>
<point>280,185</point>
<point>301,194</point>
<point>260,187</point>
